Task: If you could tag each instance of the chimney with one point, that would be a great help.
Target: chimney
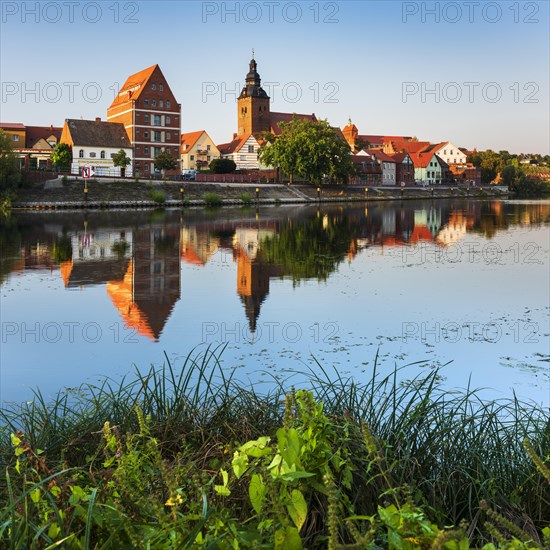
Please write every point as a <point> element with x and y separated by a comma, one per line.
<point>235,135</point>
<point>98,119</point>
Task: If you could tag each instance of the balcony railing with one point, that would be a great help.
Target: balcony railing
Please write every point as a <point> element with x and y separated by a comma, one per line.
<point>202,152</point>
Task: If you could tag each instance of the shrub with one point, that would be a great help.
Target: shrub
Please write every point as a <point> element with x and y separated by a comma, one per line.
<point>246,198</point>
<point>157,196</point>
<point>212,199</point>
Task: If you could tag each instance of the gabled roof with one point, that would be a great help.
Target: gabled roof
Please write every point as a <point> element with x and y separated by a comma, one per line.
<point>399,157</point>
<point>235,145</point>
<point>275,120</point>
<point>134,86</point>
<point>36,133</point>
<point>379,155</point>
<point>190,139</point>
<point>94,133</point>
<point>422,159</point>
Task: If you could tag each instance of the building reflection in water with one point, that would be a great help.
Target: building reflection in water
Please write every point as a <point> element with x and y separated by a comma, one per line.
<point>140,264</point>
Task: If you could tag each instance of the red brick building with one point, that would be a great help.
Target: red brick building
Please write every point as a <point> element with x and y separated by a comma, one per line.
<point>404,169</point>
<point>152,117</point>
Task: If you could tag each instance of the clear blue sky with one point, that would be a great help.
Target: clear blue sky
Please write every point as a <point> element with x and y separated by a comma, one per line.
<point>345,59</point>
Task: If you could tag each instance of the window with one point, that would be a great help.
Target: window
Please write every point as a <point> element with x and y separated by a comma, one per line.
<point>208,158</point>
<point>92,155</point>
<point>146,135</point>
<point>146,150</point>
<point>146,102</point>
<point>146,118</point>
<point>102,154</point>
<point>208,147</point>
<point>243,157</point>
<point>156,136</point>
<point>15,137</point>
<point>153,87</point>
<point>161,103</point>
<point>154,103</point>
<point>168,135</point>
<point>146,167</point>
<point>192,157</point>
<point>161,88</point>
<point>251,148</point>
<point>167,118</point>
<point>113,155</point>
<point>156,120</point>
<point>81,153</point>
<point>168,104</point>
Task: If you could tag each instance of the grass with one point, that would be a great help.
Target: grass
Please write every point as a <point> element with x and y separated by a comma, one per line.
<point>157,196</point>
<point>452,449</point>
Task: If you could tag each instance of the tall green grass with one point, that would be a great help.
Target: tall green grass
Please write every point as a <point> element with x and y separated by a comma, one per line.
<point>452,448</point>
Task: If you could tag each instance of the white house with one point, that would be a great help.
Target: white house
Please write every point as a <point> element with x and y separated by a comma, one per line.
<point>449,153</point>
<point>243,151</point>
<point>95,143</point>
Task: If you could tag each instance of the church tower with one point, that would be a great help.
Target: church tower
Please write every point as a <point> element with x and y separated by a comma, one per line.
<point>253,105</point>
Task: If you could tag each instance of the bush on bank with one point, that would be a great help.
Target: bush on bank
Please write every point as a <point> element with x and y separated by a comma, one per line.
<point>185,458</point>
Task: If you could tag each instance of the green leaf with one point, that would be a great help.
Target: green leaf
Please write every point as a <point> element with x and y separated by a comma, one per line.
<point>239,463</point>
<point>256,492</point>
<point>291,476</point>
<point>288,539</point>
<point>35,495</point>
<point>297,508</point>
<point>15,440</point>
<point>257,447</point>
<point>223,490</point>
<point>289,444</point>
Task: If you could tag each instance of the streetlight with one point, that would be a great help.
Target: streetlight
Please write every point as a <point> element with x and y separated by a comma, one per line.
<point>366,192</point>
<point>181,194</point>
<point>257,193</point>
<point>318,193</point>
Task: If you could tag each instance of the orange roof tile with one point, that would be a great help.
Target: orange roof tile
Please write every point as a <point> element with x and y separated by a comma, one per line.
<point>189,139</point>
<point>134,85</point>
<point>233,146</point>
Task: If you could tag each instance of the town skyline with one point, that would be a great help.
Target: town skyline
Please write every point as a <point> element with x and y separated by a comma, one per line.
<point>340,87</point>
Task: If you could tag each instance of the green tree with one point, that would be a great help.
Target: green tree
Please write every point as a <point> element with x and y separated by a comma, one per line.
<point>10,173</point>
<point>361,144</point>
<point>222,166</point>
<point>310,149</point>
<point>62,156</point>
<point>122,160</point>
<point>509,174</point>
<point>165,161</point>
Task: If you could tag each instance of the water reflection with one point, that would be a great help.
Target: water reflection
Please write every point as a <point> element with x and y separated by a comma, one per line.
<point>138,257</point>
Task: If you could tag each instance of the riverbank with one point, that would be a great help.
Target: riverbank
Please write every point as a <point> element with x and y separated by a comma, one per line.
<point>160,463</point>
<point>155,194</point>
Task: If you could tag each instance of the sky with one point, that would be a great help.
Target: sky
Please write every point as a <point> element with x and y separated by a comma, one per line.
<point>476,73</point>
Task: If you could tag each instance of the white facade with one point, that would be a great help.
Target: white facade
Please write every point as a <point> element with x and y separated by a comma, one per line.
<point>389,170</point>
<point>450,153</point>
<point>246,157</point>
<point>100,158</point>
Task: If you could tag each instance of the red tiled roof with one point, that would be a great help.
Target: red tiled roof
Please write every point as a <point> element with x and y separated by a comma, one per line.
<point>398,157</point>
<point>134,86</point>
<point>233,146</point>
<point>421,160</point>
<point>12,126</point>
<point>190,139</point>
<point>276,118</point>
<point>409,146</point>
<point>36,133</point>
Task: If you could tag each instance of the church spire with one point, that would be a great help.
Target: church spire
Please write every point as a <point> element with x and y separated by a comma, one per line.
<point>253,83</point>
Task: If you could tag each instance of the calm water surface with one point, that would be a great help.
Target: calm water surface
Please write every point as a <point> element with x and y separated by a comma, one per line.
<point>464,284</point>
